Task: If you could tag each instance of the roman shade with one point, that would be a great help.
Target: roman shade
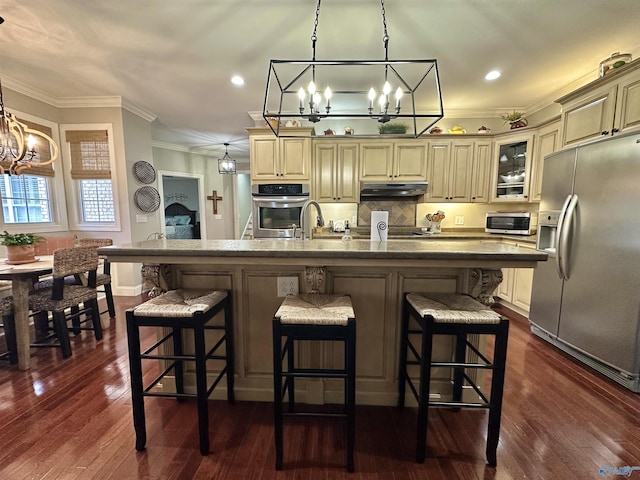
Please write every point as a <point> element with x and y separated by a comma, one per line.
<point>89,154</point>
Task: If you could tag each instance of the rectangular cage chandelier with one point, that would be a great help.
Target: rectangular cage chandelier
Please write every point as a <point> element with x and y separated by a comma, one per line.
<point>399,97</point>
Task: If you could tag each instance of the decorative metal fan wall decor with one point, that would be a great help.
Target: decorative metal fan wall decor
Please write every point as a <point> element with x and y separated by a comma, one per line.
<point>144,172</point>
<point>147,199</point>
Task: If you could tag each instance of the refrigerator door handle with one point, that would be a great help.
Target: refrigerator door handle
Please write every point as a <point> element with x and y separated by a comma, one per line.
<point>558,243</point>
<point>566,231</point>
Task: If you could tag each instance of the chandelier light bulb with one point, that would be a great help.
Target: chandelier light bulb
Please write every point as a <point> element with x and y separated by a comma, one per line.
<point>327,96</point>
<point>398,97</point>
<point>311,88</point>
<point>383,102</point>
<point>31,143</point>
<point>301,94</point>
<point>386,89</point>
<point>317,98</point>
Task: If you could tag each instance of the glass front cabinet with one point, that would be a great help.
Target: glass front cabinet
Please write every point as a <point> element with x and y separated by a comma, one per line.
<point>512,168</point>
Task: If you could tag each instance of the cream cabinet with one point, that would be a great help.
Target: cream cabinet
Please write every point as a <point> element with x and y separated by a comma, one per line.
<point>274,158</point>
<point>604,107</point>
<point>335,171</point>
<point>517,283</point>
<point>511,169</point>
<point>397,161</point>
<point>458,170</point>
<point>547,142</point>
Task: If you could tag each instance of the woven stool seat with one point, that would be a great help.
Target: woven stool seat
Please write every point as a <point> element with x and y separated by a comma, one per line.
<point>458,316</point>
<point>452,308</point>
<point>177,311</point>
<point>180,303</point>
<point>315,309</point>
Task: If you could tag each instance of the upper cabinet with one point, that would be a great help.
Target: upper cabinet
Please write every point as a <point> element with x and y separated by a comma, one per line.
<point>512,168</point>
<point>335,171</point>
<point>604,107</point>
<point>547,142</point>
<point>458,170</point>
<point>393,161</point>
<point>274,158</point>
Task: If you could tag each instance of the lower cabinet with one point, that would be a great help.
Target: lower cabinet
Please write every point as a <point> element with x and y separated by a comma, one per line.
<point>517,283</point>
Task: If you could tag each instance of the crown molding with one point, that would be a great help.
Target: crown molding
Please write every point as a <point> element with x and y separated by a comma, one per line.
<point>78,102</point>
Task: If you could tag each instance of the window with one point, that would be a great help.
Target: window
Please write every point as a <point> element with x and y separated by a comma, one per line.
<point>25,199</point>
<point>91,168</point>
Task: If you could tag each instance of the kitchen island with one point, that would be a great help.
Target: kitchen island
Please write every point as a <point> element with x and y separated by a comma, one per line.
<point>375,274</point>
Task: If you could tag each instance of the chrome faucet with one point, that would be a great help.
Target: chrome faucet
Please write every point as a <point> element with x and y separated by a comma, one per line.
<point>302,217</point>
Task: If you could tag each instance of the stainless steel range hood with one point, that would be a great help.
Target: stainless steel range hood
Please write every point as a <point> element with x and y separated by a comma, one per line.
<point>393,189</point>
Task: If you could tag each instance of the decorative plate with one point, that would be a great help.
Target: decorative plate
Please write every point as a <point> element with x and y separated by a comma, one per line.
<point>147,199</point>
<point>144,172</point>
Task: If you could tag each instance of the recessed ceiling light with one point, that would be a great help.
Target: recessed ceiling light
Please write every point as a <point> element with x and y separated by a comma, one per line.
<point>237,80</point>
<point>492,75</point>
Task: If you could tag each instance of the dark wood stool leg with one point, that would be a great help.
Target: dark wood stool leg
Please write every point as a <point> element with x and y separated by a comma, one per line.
<point>458,372</point>
<point>290,382</point>
<point>10,338</point>
<point>497,387</point>
<point>423,394</point>
<point>41,323</point>
<point>95,319</point>
<point>108,293</point>
<point>75,319</point>
<point>201,387</point>
<point>135,367</point>
<point>351,389</point>
<point>60,327</point>
<point>178,367</point>
<point>404,339</point>
<point>229,349</point>
<point>277,390</point>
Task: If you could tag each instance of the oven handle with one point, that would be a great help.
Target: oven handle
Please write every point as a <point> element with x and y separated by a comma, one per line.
<point>278,200</point>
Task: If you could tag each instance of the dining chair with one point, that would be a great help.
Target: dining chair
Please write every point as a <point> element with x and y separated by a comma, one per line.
<point>103,279</point>
<point>6,312</point>
<point>81,263</point>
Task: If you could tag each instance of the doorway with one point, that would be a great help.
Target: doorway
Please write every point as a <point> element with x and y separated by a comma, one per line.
<point>180,196</point>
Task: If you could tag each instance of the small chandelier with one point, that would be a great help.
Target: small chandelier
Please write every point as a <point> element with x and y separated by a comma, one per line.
<point>226,164</point>
<point>19,144</point>
<point>397,90</point>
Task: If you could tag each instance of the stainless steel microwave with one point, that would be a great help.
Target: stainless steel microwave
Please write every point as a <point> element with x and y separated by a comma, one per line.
<point>512,223</point>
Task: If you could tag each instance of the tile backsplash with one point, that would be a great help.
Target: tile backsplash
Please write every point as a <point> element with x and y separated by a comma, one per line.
<point>402,213</point>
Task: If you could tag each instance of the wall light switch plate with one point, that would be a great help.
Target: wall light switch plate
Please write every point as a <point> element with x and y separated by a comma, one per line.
<point>287,286</point>
<point>459,220</point>
<point>141,219</point>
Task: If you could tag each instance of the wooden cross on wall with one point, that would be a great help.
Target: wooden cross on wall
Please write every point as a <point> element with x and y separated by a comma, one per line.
<point>214,196</point>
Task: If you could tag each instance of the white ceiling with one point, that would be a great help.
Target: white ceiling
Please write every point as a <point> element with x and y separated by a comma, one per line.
<point>175,58</point>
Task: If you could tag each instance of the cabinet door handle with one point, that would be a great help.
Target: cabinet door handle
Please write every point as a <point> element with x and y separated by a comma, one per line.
<point>605,132</point>
<point>338,198</point>
<point>615,130</point>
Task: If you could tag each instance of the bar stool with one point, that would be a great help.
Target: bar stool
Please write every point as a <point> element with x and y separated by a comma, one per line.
<point>313,317</point>
<point>178,310</point>
<point>457,315</point>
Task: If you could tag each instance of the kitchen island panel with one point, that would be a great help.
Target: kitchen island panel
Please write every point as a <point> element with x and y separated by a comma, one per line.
<point>376,275</point>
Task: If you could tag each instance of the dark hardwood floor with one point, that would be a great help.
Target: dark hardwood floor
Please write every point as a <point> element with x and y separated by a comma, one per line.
<point>71,419</point>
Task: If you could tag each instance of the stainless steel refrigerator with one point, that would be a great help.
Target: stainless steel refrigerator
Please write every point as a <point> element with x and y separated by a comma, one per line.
<point>586,298</point>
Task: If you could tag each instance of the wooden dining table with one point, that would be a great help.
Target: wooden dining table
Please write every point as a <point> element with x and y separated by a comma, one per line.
<point>22,277</point>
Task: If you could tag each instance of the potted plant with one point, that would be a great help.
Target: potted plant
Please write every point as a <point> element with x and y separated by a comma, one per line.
<point>20,247</point>
<point>392,128</point>
<point>516,119</point>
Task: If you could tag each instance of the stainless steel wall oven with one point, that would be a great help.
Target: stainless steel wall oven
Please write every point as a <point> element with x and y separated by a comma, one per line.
<point>276,208</point>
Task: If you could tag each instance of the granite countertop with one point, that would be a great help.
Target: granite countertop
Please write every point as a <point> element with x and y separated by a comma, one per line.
<point>406,233</point>
<point>409,249</point>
